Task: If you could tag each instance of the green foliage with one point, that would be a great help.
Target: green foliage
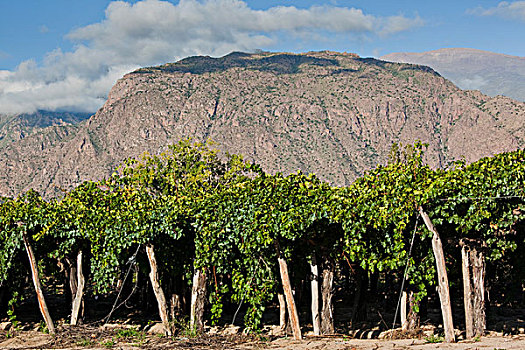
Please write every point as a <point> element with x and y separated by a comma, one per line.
<point>130,334</point>
<point>483,201</point>
<point>378,213</point>
<point>15,300</point>
<point>109,344</point>
<point>227,217</point>
<point>182,325</point>
<point>244,228</point>
<point>42,327</point>
<point>433,339</point>
<point>85,342</point>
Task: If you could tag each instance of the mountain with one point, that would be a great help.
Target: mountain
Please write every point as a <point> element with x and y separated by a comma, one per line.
<point>491,73</point>
<point>333,114</point>
<point>18,126</point>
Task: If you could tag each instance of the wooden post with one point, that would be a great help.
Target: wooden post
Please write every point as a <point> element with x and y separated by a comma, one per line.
<point>77,301</point>
<point>292,310</point>
<point>316,321</point>
<point>157,289</point>
<point>327,317</point>
<point>467,290</point>
<point>478,280</point>
<point>198,298</point>
<point>413,316</point>
<point>175,305</point>
<point>38,288</point>
<point>443,288</point>
<point>71,274</point>
<point>357,309</point>
<point>404,323</point>
<point>282,312</point>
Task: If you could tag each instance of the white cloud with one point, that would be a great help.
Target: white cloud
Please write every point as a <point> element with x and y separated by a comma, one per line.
<point>505,9</point>
<point>152,32</point>
<point>396,24</point>
<point>475,82</point>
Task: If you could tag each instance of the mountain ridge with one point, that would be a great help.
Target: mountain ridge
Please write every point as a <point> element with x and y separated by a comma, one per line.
<point>332,114</point>
<point>18,126</point>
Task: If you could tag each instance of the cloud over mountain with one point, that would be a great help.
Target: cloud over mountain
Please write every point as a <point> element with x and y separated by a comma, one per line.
<point>151,32</point>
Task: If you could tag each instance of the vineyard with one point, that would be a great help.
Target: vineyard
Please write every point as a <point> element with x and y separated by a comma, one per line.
<point>207,235</point>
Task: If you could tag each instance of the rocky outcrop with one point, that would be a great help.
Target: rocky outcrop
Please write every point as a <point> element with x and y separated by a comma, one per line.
<point>332,114</point>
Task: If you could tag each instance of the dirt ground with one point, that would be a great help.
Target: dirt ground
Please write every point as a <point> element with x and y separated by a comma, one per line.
<point>85,337</point>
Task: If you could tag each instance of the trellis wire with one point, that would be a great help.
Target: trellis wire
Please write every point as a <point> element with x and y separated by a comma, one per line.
<point>404,275</point>
<point>479,198</point>
<point>132,262</point>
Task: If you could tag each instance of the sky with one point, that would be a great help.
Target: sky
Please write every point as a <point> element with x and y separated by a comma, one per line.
<point>67,54</point>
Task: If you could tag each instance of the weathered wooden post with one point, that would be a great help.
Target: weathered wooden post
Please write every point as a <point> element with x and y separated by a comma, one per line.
<point>413,316</point>
<point>282,312</point>
<point>157,289</point>
<point>443,288</point>
<point>467,290</point>
<point>477,261</point>
<point>473,269</point>
<point>404,323</point>
<point>292,310</point>
<point>316,321</point>
<point>198,299</point>
<point>38,288</point>
<point>71,273</point>
<point>77,301</point>
<point>327,316</point>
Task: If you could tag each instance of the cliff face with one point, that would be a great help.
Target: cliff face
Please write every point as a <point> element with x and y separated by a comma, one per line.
<point>329,113</point>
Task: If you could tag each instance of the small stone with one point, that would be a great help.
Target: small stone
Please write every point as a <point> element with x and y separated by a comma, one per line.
<point>428,333</point>
<point>384,334</point>
<point>156,328</point>
<point>266,329</point>
<point>231,330</point>
<point>5,326</point>
<point>212,330</point>
<point>276,331</point>
<point>428,330</point>
<point>111,326</point>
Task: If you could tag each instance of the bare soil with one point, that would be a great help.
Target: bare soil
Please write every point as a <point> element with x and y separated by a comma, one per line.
<point>86,337</point>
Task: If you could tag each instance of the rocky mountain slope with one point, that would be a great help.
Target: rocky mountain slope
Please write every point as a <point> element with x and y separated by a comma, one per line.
<point>491,73</point>
<point>333,114</point>
<point>17,127</point>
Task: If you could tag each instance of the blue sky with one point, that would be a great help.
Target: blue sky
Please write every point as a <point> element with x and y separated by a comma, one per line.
<point>66,54</point>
